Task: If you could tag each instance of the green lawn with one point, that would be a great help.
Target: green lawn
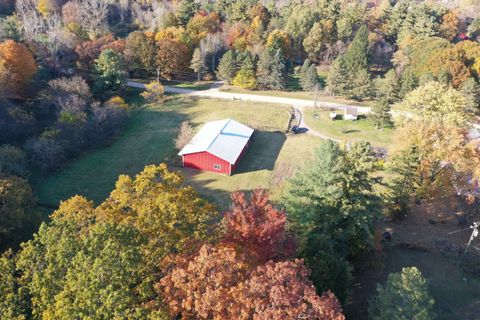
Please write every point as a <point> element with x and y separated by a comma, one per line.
<point>362,129</point>
<point>148,139</point>
<point>297,95</point>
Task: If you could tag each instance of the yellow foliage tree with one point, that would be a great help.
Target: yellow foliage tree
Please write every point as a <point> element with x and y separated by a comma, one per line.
<point>435,125</point>
<point>158,204</point>
<point>279,39</point>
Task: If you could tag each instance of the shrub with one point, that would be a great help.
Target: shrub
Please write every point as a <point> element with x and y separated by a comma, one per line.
<point>153,92</point>
<point>184,135</point>
<point>13,161</point>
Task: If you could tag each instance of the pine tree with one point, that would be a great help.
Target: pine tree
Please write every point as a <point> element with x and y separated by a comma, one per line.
<point>388,87</point>
<point>271,70</point>
<point>357,56</point>
<point>362,86</point>
<point>404,296</point>
<point>380,114</point>
<point>226,67</point>
<point>309,78</point>
<point>338,81</point>
<point>198,63</point>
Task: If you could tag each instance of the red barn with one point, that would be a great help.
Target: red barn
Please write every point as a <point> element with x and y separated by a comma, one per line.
<point>217,147</point>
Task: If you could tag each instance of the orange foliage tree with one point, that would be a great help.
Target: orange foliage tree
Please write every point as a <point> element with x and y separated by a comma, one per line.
<point>449,26</point>
<point>257,226</point>
<point>219,283</point>
<point>17,66</point>
<point>173,57</point>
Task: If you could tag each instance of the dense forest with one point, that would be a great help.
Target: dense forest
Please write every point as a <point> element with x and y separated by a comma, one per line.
<point>155,248</point>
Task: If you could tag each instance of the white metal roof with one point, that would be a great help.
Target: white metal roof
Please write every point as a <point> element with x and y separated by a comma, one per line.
<point>223,138</point>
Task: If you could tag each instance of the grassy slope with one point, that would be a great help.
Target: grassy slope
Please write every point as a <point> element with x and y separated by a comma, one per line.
<point>148,139</point>
<point>362,129</point>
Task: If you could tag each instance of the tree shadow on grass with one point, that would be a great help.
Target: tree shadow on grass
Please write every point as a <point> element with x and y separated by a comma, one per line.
<point>262,153</point>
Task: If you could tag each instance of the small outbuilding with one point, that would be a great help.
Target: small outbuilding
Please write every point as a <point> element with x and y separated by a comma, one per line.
<point>217,147</point>
<point>351,113</point>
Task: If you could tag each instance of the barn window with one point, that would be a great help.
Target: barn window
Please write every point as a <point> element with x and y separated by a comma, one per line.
<point>217,167</point>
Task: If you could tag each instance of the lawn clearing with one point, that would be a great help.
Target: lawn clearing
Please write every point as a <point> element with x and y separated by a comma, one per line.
<point>148,139</point>
<point>362,129</point>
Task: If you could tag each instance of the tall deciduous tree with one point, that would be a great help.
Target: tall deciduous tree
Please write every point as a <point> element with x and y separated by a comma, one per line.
<point>172,57</point>
<point>404,296</point>
<point>17,66</point>
<point>255,225</point>
<point>141,50</point>
<point>270,291</point>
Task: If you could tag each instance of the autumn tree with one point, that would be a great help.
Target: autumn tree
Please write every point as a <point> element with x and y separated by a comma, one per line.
<point>172,57</point>
<point>279,40</point>
<point>450,24</point>
<point>320,37</point>
<point>141,50</point>
<point>157,203</point>
<point>17,66</point>
<point>255,225</point>
<point>437,132</point>
<point>270,291</point>
<point>404,296</point>
<point>189,289</point>
<point>282,290</point>
<point>245,76</point>
<point>89,50</point>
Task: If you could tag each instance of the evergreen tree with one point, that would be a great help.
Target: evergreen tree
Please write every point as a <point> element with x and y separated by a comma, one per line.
<point>362,86</point>
<point>357,56</point>
<point>388,88</point>
<point>227,67</point>
<point>109,66</point>
<point>404,296</point>
<point>380,114</point>
<point>309,78</point>
<point>198,63</point>
<point>338,81</point>
<point>271,70</point>
<point>186,9</point>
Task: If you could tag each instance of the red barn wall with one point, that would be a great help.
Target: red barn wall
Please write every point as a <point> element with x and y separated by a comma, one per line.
<point>206,161</point>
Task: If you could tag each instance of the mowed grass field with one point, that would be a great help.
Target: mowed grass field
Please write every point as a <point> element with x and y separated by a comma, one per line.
<point>362,129</point>
<point>149,139</point>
